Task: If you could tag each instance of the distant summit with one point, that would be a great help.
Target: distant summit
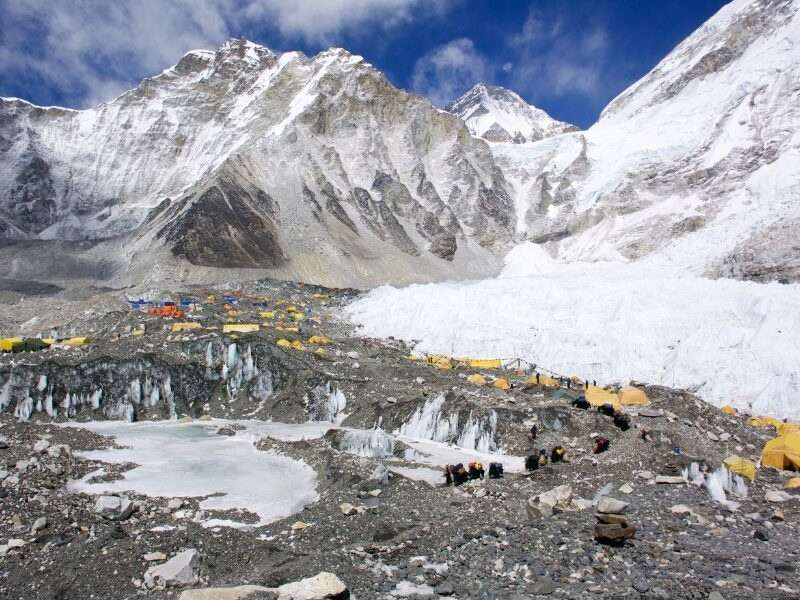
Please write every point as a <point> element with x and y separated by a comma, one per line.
<point>497,114</point>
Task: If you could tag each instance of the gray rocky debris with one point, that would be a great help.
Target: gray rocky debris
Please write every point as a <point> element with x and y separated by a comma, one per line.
<point>177,571</point>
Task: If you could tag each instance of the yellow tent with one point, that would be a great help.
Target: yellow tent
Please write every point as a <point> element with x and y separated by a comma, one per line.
<point>544,380</point>
<point>597,396</point>
<point>502,384</point>
<point>297,316</point>
<point>765,422</point>
<point>76,341</point>
<point>792,484</point>
<point>728,410</point>
<point>284,343</point>
<point>319,339</point>
<point>782,452</point>
<point>185,326</point>
<point>482,363</point>
<point>741,466</point>
<point>320,351</point>
<point>240,327</point>
<point>787,428</point>
<point>267,314</point>
<point>477,379</point>
<point>138,330</point>
<point>297,345</point>
<point>7,344</point>
<point>631,396</point>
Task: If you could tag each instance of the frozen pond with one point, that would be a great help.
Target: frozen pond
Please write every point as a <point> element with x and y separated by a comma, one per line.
<point>191,460</point>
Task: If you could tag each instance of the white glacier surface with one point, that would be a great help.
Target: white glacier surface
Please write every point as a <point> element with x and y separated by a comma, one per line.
<point>191,460</point>
<point>732,342</point>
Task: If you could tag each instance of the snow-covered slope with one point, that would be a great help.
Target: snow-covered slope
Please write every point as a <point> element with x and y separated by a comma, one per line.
<point>316,168</point>
<point>733,342</point>
<point>500,115</point>
<point>697,165</point>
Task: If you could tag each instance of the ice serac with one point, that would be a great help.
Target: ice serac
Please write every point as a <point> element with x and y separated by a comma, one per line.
<point>313,168</point>
<point>695,166</point>
<point>500,115</point>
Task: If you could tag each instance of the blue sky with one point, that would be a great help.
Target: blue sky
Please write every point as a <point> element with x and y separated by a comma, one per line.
<point>569,57</point>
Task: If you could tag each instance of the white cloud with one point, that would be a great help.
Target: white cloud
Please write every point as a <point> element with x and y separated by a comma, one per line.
<point>91,50</point>
<point>555,57</point>
<point>449,70</point>
<point>319,21</point>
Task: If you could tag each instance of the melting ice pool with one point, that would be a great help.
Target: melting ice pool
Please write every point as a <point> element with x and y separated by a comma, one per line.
<point>190,460</point>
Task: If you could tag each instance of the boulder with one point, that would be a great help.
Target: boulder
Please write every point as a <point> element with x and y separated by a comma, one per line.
<point>545,504</point>
<point>240,592</point>
<point>177,571</point>
<point>324,586</point>
<point>777,496</point>
<point>347,508</point>
<point>609,505</point>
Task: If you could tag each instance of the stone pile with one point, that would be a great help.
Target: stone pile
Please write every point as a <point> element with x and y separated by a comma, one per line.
<point>612,526</point>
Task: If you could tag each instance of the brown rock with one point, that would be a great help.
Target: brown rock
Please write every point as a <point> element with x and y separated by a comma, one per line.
<point>613,534</point>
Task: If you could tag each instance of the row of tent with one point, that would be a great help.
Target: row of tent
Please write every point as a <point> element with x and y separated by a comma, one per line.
<point>20,344</point>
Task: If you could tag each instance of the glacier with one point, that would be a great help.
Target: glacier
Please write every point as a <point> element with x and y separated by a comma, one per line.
<point>731,342</point>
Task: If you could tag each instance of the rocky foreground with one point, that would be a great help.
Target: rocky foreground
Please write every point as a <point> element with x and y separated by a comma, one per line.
<point>636,521</point>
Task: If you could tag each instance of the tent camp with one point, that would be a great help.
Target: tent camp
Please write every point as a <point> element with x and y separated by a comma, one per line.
<point>783,452</point>
<point>544,381</point>
<point>631,396</point>
<point>597,396</point>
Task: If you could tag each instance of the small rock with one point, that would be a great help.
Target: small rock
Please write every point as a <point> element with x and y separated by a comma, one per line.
<point>612,519</point>
<point>646,475</point>
<point>154,556</point>
<point>626,489</point>
<point>712,436</point>
<point>375,493</point>
<point>681,509</point>
<point>347,508</point>
<point>41,446</point>
<point>543,586</point>
<point>298,526</point>
<point>177,571</point>
<point>777,496</point>
<point>778,516</point>
<point>613,534</point>
<point>16,543</point>
<point>761,534</point>
<point>641,586</point>
<point>670,479</point>
<point>609,505</point>
<point>175,503</point>
<point>715,596</point>
<point>38,525</point>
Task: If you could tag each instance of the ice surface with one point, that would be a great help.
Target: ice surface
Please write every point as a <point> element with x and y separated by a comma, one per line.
<point>191,460</point>
<point>732,342</point>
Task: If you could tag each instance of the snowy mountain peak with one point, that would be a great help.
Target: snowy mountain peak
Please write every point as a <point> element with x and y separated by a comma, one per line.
<point>497,114</point>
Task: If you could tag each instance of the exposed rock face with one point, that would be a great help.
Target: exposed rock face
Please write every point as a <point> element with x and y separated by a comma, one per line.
<point>268,162</point>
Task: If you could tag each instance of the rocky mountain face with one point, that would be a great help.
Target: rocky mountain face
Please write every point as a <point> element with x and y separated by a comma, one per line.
<point>500,115</point>
<point>241,162</point>
<point>242,158</point>
<point>696,166</point>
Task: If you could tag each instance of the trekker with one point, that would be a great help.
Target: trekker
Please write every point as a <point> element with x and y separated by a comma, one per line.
<point>581,402</point>
<point>495,470</point>
<point>558,455</point>
<point>476,470</point>
<point>622,421</point>
<point>534,431</point>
